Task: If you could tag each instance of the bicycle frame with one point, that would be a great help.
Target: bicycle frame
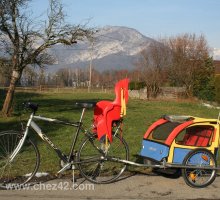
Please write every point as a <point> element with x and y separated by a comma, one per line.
<point>38,130</point>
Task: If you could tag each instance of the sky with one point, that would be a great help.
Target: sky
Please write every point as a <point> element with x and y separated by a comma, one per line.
<point>152,18</point>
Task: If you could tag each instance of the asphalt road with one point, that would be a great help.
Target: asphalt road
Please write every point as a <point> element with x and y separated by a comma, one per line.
<point>133,187</point>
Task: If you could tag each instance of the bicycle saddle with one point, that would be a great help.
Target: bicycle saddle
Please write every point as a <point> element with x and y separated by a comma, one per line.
<point>32,106</point>
<point>86,104</point>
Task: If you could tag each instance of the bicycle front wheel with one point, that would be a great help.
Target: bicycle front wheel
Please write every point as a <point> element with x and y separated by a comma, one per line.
<point>23,167</point>
<point>102,170</point>
<point>199,178</point>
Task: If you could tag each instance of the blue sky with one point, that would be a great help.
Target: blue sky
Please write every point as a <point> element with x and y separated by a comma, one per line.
<point>153,18</point>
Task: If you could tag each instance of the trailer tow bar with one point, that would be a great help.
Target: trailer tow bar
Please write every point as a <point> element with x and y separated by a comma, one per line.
<point>163,164</point>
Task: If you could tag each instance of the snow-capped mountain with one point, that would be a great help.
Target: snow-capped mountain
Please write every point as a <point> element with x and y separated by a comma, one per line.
<point>113,47</point>
<point>216,54</point>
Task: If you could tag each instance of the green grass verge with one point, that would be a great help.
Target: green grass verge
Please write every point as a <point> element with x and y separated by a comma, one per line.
<point>140,114</point>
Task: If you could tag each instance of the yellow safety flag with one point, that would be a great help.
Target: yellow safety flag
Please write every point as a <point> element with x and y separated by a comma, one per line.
<point>123,103</point>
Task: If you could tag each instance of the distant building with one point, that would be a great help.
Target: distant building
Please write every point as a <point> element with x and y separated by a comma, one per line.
<point>217,67</point>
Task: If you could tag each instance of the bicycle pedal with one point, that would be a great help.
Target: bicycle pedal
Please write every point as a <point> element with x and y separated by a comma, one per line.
<point>58,175</point>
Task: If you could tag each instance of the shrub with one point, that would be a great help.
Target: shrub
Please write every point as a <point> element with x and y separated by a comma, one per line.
<point>204,84</point>
<point>134,85</point>
<point>217,88</point>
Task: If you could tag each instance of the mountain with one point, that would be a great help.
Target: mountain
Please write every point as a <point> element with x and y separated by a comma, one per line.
<point>216,54</point>
<point>114,47</point>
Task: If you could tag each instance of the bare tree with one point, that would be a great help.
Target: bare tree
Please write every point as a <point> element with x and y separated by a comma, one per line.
<point>64,77</point>
<point>153,63</point>
<point>29,77</point>
<point>41,77</point>
<point>189,55</point>
<point>26,42</point>
<point>5,71</point>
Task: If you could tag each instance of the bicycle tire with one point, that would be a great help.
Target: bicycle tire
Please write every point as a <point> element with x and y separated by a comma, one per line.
<point>103,171</point>
<point>199,178</point>
<point>23,167</point>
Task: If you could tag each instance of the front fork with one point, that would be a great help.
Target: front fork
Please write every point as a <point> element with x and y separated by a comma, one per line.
<point>22,140</point>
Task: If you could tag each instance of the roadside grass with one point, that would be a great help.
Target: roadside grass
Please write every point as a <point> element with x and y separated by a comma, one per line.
<point>140,115</point>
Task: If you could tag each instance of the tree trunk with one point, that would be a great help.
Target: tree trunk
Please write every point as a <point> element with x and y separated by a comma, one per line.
<point>189,91</point>
<point>7,106</point>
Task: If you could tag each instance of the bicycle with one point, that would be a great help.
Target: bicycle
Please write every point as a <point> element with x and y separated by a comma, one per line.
<point>18,149</point>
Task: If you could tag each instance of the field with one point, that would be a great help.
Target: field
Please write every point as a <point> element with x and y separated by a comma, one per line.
<point>140,114</point>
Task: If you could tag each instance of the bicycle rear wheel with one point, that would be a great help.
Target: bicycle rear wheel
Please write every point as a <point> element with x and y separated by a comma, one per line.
<point>102,170</point>
<point>199,178</point>
<point>16,173</point>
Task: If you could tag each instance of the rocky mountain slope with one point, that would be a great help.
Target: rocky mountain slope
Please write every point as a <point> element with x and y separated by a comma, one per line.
<point>114,47</point>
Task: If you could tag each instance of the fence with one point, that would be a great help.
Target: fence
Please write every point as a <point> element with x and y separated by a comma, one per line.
<point>165,93</point>
<point>54,89</point>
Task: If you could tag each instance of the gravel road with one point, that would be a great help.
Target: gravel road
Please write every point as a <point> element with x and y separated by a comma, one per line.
<point>133,187</point>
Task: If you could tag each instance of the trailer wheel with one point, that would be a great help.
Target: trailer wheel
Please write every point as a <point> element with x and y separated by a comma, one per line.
<point>199,178</point>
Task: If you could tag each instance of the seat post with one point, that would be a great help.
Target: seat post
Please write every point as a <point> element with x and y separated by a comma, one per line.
<point>83,112</point>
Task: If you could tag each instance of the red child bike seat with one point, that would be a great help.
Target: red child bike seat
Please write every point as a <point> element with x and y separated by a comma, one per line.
<point>106,112</point>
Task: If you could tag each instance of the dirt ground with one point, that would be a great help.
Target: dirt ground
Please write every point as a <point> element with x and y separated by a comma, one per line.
<point>132,187</point>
